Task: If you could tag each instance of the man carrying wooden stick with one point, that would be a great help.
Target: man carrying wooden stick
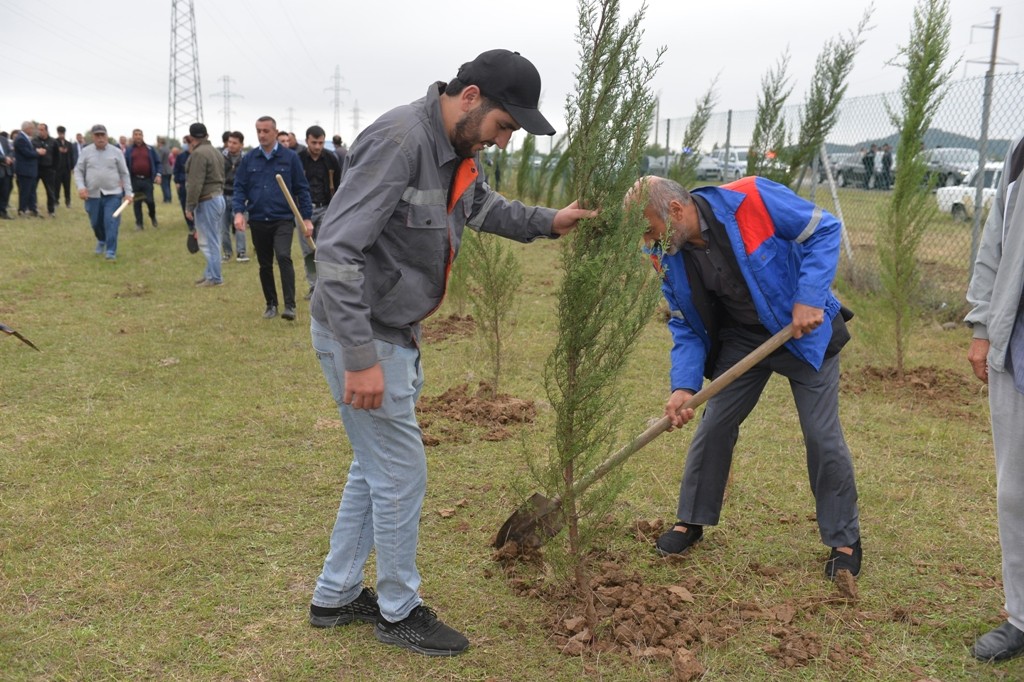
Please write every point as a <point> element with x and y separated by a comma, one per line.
<point>102,179</point>
<point>270,216</point>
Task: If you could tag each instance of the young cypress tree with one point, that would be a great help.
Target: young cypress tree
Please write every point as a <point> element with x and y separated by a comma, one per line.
<point>608,291</point>
<point>769,136</point>
<point>494,278</point>
<point>685,172</point>
<point>828,87</point>
<point>911,207</point>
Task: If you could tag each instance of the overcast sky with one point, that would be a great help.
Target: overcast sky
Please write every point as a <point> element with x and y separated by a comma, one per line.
<point>107,61</point>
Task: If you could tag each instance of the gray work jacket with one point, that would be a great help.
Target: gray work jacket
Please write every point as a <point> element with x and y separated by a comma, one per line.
<point>387,241</point>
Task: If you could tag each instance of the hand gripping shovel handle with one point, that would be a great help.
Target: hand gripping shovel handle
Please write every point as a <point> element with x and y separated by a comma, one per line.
<point>538,519</point>
<point>295,209</point>
<point>699,398</point>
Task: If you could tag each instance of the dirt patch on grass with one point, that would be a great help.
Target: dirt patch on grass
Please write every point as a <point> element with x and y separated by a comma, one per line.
<point>672,623</point>
<point>920,387</point>
<point>441,328</point>
<point>481,407</point>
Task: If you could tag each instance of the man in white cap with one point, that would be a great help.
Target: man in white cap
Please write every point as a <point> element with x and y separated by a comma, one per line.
<point>384,252</point>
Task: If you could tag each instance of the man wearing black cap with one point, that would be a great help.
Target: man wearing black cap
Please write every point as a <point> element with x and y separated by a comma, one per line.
<point>204,200</point>
<point>386,247</point>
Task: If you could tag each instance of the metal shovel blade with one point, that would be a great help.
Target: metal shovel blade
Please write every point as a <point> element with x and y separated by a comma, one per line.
<point>538,518</point>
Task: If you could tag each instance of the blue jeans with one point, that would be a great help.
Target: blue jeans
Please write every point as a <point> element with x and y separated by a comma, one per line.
<point>101,217</point>
<point>208,216</point>
<point>227,225</point>
<point>381,503</point>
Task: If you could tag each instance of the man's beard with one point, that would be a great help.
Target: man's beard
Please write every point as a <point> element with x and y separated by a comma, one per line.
<point>467,133</point>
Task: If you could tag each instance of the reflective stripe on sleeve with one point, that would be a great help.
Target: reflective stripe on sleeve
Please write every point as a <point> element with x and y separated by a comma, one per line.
<point>339,273</point>
<point>423,197</point>
<point>811,226</point>
<point>477,221</point>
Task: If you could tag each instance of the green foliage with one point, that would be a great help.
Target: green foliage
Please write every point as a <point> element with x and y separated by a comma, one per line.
<point>911,208</point>
<point>494,276</point>
<point>608,291</point>
<point>685,172</point>
<point>828,87</point>
<point>769,136</point>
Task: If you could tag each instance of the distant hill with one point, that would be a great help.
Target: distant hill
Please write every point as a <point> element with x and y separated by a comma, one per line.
<point>997,149</point>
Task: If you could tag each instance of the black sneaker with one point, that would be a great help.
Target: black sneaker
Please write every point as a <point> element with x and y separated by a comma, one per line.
<point>289,313</point>
<point>364,608</point>
<point>423,633</point>
<point>242,258</point>
<point>675,541</point>
<point>838,561</point>
<point>270,312</point>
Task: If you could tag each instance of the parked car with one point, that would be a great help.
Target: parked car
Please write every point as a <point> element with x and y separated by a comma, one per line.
<point>949,166</point>
<point>708,168</point>
<point>959,201</point>
<point>735,166</point>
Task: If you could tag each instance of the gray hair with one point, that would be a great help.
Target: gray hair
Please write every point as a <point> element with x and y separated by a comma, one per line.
<point>661,192</point>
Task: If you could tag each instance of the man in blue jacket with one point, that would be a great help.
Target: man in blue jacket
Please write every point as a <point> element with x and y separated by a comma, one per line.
<point>270,216</point>
<point>738,263</point>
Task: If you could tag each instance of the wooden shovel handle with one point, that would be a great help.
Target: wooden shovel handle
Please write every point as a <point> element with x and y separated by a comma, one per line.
<point>699,398</point>
<point>295,209</point>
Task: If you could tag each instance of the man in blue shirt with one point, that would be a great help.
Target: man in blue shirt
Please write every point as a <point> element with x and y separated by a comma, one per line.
<point>270,216</point>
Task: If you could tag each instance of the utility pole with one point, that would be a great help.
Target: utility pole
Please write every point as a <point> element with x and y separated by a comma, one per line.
<point>337,89</point>
<point>184,93</point>
<point>227,95</point>
<point>355,119</point>
<point>291,120</point>
<point>986,107</point>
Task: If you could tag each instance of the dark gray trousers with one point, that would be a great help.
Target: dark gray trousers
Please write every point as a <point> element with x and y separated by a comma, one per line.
<point>829,466</point>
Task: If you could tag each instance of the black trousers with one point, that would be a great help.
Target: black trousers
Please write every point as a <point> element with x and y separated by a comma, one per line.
<point>48,178</point>
<point>6,185</point>
<point>270,239</point>
<point>27,193</point>
<point>63,181</point>
<point>143,188</point>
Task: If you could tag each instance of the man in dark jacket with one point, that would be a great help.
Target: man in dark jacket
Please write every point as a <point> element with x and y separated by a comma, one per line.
<point>46,147</point>
<point>26,162</point>
<point>6,174</point>
<point>144,166</point>
<point>67,157</point>
<point>270,217</point>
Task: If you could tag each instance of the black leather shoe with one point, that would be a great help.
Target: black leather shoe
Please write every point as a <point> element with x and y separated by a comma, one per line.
<point>270,312</point>
<point>837,561</point>
<point>1001,644</point>
<point>676,541</point>
<point>289,313</point>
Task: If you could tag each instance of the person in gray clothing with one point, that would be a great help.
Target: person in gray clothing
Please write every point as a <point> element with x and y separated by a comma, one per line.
<point>386,247</point>
<point>996,355</point>
<point>101,176</point>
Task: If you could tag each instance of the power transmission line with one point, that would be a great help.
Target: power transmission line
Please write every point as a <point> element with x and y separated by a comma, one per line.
<point>337,88</point>
<point>227,95</point>
<point>184,92</point>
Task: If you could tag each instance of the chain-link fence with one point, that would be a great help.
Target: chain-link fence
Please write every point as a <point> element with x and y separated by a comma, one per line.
<point>863,177</point>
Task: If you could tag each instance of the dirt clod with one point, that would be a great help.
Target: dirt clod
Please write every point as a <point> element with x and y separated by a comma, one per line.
<point>846,584</point>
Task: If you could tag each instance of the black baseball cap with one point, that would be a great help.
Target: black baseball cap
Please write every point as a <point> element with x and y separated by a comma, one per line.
<point>197,130</point>
<point>512,81</point>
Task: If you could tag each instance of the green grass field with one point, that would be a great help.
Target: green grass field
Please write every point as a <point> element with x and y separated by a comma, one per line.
<point>171,464</point>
